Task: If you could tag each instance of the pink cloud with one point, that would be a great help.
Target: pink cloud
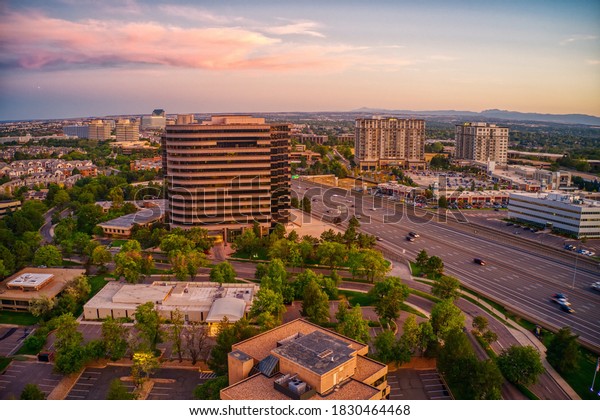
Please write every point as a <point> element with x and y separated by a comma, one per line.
<point>34,41</point>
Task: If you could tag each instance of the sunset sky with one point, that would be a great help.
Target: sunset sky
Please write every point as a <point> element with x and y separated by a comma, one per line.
<point>76,58</point>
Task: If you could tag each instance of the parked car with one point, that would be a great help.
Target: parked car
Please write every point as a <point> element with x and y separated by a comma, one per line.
<point>478,261</point>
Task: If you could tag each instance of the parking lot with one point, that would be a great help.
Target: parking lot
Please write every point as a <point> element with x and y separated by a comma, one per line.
<point>171,384</point>
<point>11,338</point>
<point>21,373</point>
<point>417,384</point>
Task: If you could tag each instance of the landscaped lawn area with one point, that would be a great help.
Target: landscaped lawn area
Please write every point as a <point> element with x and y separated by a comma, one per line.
<point>17,318</point>
<point>261,254</point>
<point>362,299</point>
<point>4,362</point>
<point>97,283</point>
<point>118,242</point>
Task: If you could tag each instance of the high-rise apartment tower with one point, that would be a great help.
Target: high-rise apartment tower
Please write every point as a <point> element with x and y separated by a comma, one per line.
<point>482,142</point>
<point>383,141</point>
<point>226,173</point>
<point>127,130</point>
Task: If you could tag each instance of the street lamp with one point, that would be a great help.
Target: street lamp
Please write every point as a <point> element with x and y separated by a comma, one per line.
<point>575,271</point>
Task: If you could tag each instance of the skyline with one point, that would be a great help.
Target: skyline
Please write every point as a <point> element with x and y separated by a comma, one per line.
<point>68,58</point>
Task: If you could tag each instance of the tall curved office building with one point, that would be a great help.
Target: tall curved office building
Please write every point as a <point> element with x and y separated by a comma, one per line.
<point>226,173</point>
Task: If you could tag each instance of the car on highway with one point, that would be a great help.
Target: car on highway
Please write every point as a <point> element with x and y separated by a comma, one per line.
<point>596,286</point>
<point>566,308</point>
<point>560,298</point>
<point>379,238</point>
<point>410,239</point>
<point>413,234</point>
<point>570,247</point>
<point>478,261</point>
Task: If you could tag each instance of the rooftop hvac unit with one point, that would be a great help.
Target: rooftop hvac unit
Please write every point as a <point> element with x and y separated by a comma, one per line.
<point>297,386</point>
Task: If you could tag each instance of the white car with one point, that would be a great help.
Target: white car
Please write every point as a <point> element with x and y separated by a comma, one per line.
<point>596,286</point>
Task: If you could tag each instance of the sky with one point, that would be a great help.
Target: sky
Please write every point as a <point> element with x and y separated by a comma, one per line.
<point>79,58</point>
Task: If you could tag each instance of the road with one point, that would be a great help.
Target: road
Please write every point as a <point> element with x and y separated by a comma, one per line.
<point>46,229</point>
<point>519,274</point>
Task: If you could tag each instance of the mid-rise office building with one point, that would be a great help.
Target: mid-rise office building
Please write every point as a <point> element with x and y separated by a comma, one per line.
<point>99,130</point>
<point>226,173</point>
<point>185,119</point>
<point>156,121</point>
<point>127,130</point>
<point>81,131</point>
<point>386,141</point>
<point>482,142</point>
<point>566,213</point>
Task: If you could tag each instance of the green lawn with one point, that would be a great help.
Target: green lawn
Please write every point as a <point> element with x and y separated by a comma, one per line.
<point>17,318</point>
<point>118,242</point>
<point>97,283</point>
<point>362,299</point>
<point>68,263</point>
<point>261,254</point>
<point>4,362</point>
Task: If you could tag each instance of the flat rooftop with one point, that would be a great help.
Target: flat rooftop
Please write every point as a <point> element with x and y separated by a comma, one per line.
<point>259,387</point>
<point>260,346</point>
<point>29,281</point>
<point>169,296</point>
<point>52,287</point>
<point>317,351</point>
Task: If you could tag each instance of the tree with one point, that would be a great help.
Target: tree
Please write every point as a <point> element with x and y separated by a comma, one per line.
<point>147,322</point>
<point>489,337</point>
<point>428,343</point>
<point>247,242</point>
<point>368,262</point>
<point>223,273</point>
<point>331,254</point>
<point>354,326</point>
<point>435,265</point>
<point>342,310</point>
<point>129,262</point>
<point>200,238</point>
<point>480,324</point>
<point>101,256</point>
<point>446,288</point>
<point>315,305</point>
<point>69,354</point>
<point>275,276</point>
<point>175,333</point>
<point>410,333</point>
<point>114,337</point>
<point>306,205</point>
<point>42,306</point>
<point>389,295</point>
<point>144,365</point>
<point>563,351</point>
<point>520,365</point>
<point>390,350</point>
<point>422,258</point>
<point>281,249</point>
<point>196,341</point>
<point>117,391</point>
<point>61,199</point>
<point>32,392</point>
<point>446,317</point>
<point>268,301</point>
<point>227,336</point>
<point>176,243</point>
<point>79,288</point>
<point>48,255</point>
<point>443,202</point>
<point>116,196</point>
<point>211,389</point>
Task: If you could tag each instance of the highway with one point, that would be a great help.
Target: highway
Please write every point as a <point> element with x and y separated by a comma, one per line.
<point>521,276</point>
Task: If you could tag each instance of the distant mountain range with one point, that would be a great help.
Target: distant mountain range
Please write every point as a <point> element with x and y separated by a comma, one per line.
<point>497,114</point>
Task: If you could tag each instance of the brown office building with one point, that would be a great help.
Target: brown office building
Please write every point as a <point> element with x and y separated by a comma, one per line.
<point>226,173</point>
<point>387,141</point>
<point>482,142</point>
<point>299,361</point>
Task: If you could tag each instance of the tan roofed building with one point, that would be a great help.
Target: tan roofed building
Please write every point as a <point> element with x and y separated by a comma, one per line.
<point>300,360</point>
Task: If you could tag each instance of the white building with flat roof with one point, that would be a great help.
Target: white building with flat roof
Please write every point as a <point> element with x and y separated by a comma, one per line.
<point>568,213</point>
<point>205,302</point>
